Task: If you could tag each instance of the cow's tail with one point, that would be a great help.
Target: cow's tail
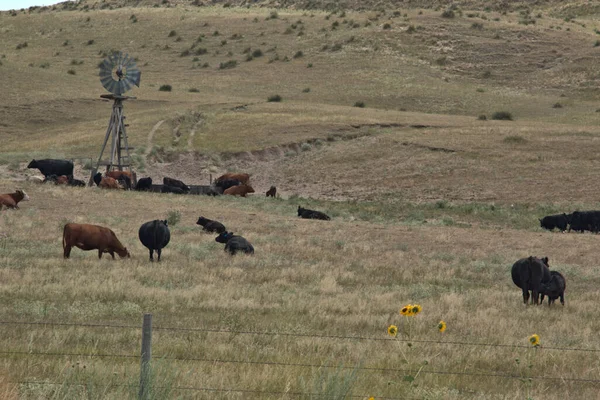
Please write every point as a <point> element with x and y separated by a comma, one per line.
<point>64,236</point>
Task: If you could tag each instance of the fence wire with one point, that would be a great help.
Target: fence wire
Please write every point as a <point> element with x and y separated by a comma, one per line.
<point>302,335</point>
<point>308,365</point>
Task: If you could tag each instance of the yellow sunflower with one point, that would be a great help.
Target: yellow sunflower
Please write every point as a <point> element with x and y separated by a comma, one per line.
<point>406,310</point>
<point>371,398</point>
<point>392,330</point>
<point>534,340</point>
<point>442,326</point>
<point>416,309</point>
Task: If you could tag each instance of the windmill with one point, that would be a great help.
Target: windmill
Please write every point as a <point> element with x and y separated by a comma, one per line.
<point>118,74</point>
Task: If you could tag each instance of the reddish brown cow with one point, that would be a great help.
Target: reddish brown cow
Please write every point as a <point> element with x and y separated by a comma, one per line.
<point>243,178</point>
<point>92,237</point>
<point>240,190</point>
<point>117,174</point>
<point>62,180</point>
<point>109,183</point>
<point>11,200</point>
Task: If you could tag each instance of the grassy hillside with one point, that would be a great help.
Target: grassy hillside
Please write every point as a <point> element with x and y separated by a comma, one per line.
<point>386,122</point>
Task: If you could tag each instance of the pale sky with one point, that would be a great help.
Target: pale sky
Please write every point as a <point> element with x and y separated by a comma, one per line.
<point>18,4</point>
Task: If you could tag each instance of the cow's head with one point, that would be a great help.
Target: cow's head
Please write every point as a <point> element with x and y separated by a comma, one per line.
<point>249,189</point>
<point>24,195</point>
<point>224,237</point>
<point>201,221</point>
<point>124,253</point>
<point>300,211</point>
<point>545,261</point>
<point>32,164</point>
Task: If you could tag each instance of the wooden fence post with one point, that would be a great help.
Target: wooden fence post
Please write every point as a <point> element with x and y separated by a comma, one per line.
<point>145,368</point>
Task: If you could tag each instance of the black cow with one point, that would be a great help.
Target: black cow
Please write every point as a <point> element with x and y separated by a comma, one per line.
<point>52,167</point>
<point>272,192</point>
<point>227,183</point>
<point>560,221</point>
<point>530,274</point>
<point>75,182</point>
<point>582,221</point>
<point>144,184</point>
<point>554,289</point>
<point>209,225</point>
<point>171,189</point>
<point>176,183</point>
<point>98,178</point>
<point>155,235</point>
<point>312,214</point>
<point>234,243</point>
<point>125,181</point>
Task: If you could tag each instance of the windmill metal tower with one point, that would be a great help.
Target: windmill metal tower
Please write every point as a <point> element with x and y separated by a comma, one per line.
<point>118,74</point>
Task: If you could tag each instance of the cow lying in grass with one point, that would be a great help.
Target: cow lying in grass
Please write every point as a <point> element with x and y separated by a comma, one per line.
<point>234,243</point>
<point>208,225</point>
<point>312,214</point>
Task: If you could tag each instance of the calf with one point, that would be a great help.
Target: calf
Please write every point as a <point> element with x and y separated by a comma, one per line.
<point>76,182</point>
<point>176,183</point>
<point>154,235</point>
<point>109,183</point>
<point>560,221</point>
<point>171,189</point>
<point>62,180</point>
<point>144,184</point>
<point>272,192</point>
<point>312,214</point>
<point>554,289</point>
<point>241,190</point>
<point>124,181</point>
<point>11,200</point>
<point>52,167</point>
<point>530,274</point>
<point>92,237</point>
<point>243,178</point>
<point>234,243</point>
<point>116,174</point>
<point>208,225</point>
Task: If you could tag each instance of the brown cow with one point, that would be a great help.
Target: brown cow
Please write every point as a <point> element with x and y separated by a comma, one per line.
<point>243,178</point>
<point>11,200</point>
<point>117,174</point>
<point>62,180</point>
<point>92,237</point>
<point>272,192</point>
<point>240,190</point>
<point>109,183</point>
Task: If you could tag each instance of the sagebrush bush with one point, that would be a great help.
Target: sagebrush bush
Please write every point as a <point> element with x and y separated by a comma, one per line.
<point>299,54</point>
<point>165,88</point>
<point>360,104</point>
<point>274,98</point>
<point>257,53</point>
<point>502,115</point>
<point>172,33</point>
<point>448,14</point>
<point>228,64</point>
<point>71,72</point>
<point>193,90</point>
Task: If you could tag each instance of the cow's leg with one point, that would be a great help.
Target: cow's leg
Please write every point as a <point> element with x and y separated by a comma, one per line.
<point>67,251</point>
<point>525,296</point>
<point>158,252</point>
<point>534,297</point>
<point>542,298</point>
<point>562,299</point>
<point>151,254</point>
<point>112,253</point>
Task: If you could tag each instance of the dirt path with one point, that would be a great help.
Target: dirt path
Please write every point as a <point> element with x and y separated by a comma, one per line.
<point>151,136</point>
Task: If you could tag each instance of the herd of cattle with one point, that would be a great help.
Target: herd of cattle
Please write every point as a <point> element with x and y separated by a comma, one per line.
<point>531,274</point>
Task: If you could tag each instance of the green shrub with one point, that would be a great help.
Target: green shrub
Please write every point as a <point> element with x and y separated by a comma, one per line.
<point>193,90</point>
<point>172,33</point>
<point>502,115</point>
<point>448,14</point>
<point>482,117</point>
<point>557,105</point>
<point>90,42</point>
<point>515,139</point>
<point>299,54</point>
<point>173,217</point>
<point>165,88</point>
<point>274,98</point>
<point>360,104</point>
<point>71,72</point>
<point>257,53</point>
<point>228,64</point>
<point>306,90</point>
<point>21,45</point>
<point>387,26</point>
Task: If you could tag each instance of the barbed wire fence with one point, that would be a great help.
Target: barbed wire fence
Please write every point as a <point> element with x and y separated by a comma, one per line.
<point>146,357</point>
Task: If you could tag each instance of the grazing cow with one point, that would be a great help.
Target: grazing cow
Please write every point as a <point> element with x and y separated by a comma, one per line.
<point>171,189</point>
<point>560,221</point>
<point>312,214</point>
<point>234,243</point>
<point>243,178</point>
<point>272,192</point>
<point>211,226</point>
<point>144,184</point>
<point>155,235</point>
<point>11,200</point>
<point>554,289</point>
<point>92,237</point>
<point>125,181</point>
<point>227,183</point>
<point>52,167</point>
<point>530,274</point>
<point>240,190</point>
<point>176,183</point>
<point>110,183</point>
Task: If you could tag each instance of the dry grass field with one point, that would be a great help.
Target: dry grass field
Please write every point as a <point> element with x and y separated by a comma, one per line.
<point>431,203</point>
